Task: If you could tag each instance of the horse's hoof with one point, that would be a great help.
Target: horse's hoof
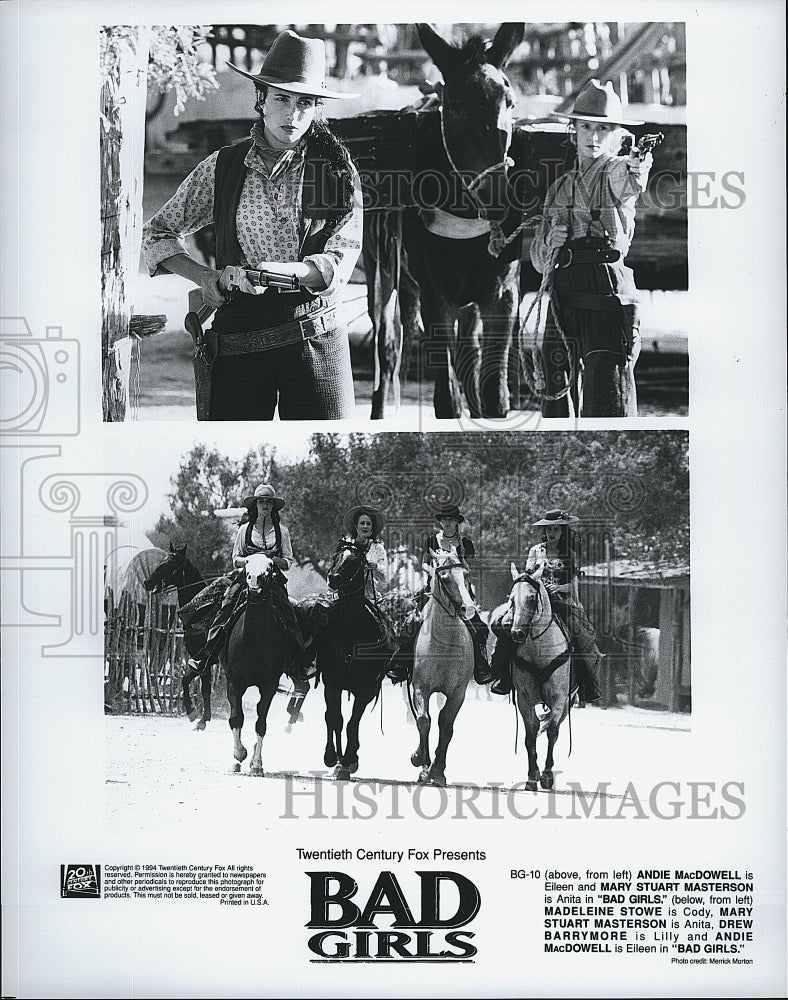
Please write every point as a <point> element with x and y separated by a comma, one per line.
<point>530,785</point>
<point>417,759</point>
<point>546,781</point>
<point>256,770</point>
<point>241,755</point>
<point>438,778</point>
<point>341,773</point>
<point>200,726</point>
<point>330,758</point>
<point>192,714</point>
<point>424,777</point>
<point>288,728</point>
<point>236,768</point>
<point>352,765</point>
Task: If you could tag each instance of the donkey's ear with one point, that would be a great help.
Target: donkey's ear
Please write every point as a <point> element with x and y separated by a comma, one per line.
<point>507,39</point>
<point>514,571</point>
<point>443,53</point>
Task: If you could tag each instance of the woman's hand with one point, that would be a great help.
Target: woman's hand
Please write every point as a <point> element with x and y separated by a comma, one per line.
<point>214,286</point>
<point>558,235</point>
<point>639,164</point>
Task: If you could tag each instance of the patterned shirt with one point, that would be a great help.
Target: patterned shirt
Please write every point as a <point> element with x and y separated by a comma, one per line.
<point>606,184</point>
<point>269,223</point>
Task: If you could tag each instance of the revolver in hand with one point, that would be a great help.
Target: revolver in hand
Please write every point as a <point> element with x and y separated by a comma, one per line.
<point>645,144</point>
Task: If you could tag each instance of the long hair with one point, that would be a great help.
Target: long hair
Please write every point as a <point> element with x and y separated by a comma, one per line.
<point>253,512</point>
<point>569,544</point>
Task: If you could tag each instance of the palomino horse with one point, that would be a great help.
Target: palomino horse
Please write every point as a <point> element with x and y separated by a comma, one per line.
<point>177,571</point>
<point>540,668</point>
<point>460,185</point>
<point>443,661</point>
<point>255,656</point>
<point>351,657</point>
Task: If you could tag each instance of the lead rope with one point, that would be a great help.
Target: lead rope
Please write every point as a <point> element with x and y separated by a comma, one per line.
<point>529,345</point>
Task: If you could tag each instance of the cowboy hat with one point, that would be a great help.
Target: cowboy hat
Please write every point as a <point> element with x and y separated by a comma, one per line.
<point>297,65</point>
<point>596,103</point>
<point>451,510</point>
<point>351,518</point>
<point>556,517</point>
<point>264,492</point>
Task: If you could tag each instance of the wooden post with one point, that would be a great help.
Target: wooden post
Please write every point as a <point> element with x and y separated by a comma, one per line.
<point>122,129</point>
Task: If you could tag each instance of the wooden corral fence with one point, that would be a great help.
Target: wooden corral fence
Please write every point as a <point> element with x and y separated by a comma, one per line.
<point>642,617</point>
<point>144,658</point>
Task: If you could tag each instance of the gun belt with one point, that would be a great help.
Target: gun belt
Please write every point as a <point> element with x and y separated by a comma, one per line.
<point>254,341</point>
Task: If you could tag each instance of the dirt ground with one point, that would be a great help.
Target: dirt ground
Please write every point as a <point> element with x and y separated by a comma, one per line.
<point>163,778</point>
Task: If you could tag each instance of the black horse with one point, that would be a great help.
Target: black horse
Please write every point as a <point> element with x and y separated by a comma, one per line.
<point>465,280</point>
<point>178,571</point>
<point>352,656</point>
<point>256,655</point>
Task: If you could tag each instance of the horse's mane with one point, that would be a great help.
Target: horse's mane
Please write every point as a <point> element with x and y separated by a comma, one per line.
<point>473,52</point>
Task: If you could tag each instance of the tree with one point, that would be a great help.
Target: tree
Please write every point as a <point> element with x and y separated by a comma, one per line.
<point>130,56</point>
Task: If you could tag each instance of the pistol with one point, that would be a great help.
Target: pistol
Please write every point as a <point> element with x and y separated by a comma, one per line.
<point>645,144</point>
<point>267,279</point>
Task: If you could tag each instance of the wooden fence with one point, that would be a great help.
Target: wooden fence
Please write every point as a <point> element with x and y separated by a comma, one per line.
<point>144,658</point>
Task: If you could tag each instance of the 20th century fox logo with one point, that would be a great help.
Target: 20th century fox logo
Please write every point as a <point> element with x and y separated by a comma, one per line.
<point>390,926</point>
<point>80,881</point>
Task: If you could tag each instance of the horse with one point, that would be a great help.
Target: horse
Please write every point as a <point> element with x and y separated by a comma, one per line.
<point>351,656</point>
<point>541,669</point>
<point>460,183</point>
<point>255,655</point>
<point>177,571</point>
<point>443,661</point>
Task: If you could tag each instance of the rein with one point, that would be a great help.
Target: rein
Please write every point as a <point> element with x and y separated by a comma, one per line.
<point>455,608</point>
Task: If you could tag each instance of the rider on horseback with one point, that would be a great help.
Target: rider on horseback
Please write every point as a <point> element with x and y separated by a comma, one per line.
<point>363,525</point>
<point>447,539</point>
<point>263,532</point>
<point>556,557</point>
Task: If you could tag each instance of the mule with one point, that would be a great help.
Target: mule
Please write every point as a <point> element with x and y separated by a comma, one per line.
<point>443,661</point>
<point>468,292</point>
<point>541,669</point>
<point>351,656</point>
<point>256,655</point>
<point>179,572</point>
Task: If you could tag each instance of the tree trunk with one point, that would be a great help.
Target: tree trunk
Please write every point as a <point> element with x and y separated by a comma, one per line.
<point>122,130</point>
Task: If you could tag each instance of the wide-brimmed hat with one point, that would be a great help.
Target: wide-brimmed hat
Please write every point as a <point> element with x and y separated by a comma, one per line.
<point>596,103</point>
<point>449,510</point>
<point>556,518</point>
<point>297,65</point>
<point>264,492</point>
<point>352,516</point>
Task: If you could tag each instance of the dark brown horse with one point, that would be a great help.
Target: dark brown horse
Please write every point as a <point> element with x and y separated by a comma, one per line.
<point>256,655</point>
<point>351,657</point>
<point>468,295</point>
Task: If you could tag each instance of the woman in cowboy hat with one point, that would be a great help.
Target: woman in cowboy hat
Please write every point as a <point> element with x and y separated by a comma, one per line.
<point>557,556</point>
<point>286,200</point>
<point>586,230</point>
<point>260,531</point>
<point>363,525</point>
<point>447,539</point>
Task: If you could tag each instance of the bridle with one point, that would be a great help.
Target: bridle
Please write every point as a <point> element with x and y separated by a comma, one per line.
<point>471,185</point>
<point>364,569</point>
<point>525,578</point>
<point>455,608</point>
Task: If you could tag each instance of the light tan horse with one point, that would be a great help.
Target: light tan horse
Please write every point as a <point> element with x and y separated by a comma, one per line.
<point>443,661</point>
<point>540,668</point>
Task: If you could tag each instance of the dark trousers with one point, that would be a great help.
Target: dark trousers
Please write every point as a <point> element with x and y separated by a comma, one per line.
<point>308,380</point>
